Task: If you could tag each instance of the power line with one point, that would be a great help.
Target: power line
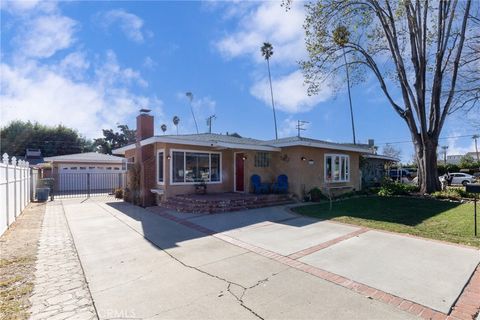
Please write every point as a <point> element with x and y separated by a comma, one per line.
<point>411,141</point>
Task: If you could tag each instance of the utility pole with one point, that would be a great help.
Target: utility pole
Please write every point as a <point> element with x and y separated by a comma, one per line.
<point>444,148</point>
<point>300,127</point>
<point>209,122</point>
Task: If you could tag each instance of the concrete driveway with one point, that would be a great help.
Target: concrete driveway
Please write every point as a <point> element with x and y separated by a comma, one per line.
<point>265,263</point>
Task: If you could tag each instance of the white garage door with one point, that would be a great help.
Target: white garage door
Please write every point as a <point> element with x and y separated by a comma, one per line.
<point>93,179</point>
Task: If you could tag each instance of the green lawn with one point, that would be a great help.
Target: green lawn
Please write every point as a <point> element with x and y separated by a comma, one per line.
<point>442,220</point>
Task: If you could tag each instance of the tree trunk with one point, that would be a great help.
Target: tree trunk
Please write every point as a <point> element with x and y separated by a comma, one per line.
<point>426,151</point>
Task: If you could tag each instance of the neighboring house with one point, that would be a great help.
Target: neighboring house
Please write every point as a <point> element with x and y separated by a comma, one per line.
<point>452,159</point>
<point>374,168</point>
<point>474,155</point>
<point>89,162</point>
<point>86,171</point>
<point>33,156</point>
<point>175,163</point>
<point>456,158</point>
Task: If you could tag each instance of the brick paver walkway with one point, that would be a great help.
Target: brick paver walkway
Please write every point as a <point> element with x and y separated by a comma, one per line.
<point>60,290</point>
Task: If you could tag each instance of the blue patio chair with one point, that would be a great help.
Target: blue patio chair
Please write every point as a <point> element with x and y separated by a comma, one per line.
<point>258,186</point>
<point>281,186</point>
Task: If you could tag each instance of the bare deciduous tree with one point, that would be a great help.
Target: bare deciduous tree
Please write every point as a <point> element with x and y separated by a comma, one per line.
<point>414,48</point>
<point>391,151</point>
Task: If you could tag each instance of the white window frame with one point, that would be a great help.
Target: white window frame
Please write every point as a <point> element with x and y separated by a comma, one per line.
<point>340,156</point>
<point>156,169</point>
<point>185,164</point>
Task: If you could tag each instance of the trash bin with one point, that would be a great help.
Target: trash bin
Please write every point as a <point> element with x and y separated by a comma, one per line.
<point>43,194</point>
<point>45,187</point>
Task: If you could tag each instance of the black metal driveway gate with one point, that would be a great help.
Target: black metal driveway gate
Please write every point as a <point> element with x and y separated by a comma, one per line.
<point>70,185</point>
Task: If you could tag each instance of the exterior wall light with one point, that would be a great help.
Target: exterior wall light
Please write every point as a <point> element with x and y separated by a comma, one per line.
<point>310,162</point>
<point>244,157</point>
<point>303,158</point>
<point>169,157</point>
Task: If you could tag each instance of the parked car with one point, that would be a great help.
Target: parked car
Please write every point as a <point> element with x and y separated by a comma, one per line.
<point>462,178</point>
<point>413,172</point>
<point>399,173</point>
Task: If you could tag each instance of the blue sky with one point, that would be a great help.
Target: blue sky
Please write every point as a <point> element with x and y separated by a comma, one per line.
<point>91,65</point>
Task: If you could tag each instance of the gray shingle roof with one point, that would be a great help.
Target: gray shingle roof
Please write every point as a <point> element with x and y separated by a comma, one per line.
<point>85,157</point>
<point>215,137</point>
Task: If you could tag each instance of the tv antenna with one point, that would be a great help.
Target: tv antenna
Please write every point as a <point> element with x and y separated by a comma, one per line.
<point>300,124</point>
<point>209,122</point>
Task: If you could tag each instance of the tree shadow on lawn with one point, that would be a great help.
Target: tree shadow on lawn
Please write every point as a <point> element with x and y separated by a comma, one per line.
<point>398,210</point>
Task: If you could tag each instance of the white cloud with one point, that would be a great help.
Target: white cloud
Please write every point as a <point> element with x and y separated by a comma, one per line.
<point>149,63</point>
<point>73,90</point>
<point>43,36</point>
<point>289,92</point>
<point>270,22</point>
<point>110,73</point>
<point>267,22</point>
<point>44,93</point>
<point>25,7</point>
<point>73,65</point>
<point>130,24</point>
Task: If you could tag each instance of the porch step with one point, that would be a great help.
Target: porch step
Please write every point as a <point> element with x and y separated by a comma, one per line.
<point>186,203</point>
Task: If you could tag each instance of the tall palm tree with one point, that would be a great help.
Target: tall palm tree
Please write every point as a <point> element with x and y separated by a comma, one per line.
<point>176,121</point>
<point>341,37</point>
<point>163,127</point>
<point>475,137</point>
<point>190,97</point>
<point>267,52</point>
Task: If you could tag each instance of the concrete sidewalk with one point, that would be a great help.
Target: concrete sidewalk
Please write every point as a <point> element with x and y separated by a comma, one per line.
<point>140,265</point>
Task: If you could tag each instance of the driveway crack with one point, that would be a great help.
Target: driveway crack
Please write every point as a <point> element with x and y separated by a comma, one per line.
<point>226,281</point>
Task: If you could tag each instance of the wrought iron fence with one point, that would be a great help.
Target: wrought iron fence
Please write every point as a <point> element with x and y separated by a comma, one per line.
<point>70,185</point>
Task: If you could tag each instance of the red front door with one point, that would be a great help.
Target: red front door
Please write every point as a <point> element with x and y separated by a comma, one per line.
<point>239,174</point>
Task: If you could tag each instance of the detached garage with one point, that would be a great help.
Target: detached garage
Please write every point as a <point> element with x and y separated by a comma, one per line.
<point>87,173</point>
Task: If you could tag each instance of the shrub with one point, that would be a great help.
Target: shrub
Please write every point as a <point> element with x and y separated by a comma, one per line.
<point>316,194</point>
<point>452,194</point>
<point>119,193</point>
<point>392,188</point>
<point>442,169</point>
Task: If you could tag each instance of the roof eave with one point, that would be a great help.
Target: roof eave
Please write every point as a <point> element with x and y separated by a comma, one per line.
<point>213,144</point>
<point>122,150</point>
<point>381,157</point>
<point>83,161</point>
<point>323,146</point>
<point>248,146</point>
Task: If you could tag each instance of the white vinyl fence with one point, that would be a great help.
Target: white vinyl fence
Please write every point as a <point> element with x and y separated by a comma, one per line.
<point>15,190</point>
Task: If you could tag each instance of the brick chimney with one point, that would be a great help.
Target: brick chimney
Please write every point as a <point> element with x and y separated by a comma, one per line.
<point>144,126</point>
<point>145,156</point>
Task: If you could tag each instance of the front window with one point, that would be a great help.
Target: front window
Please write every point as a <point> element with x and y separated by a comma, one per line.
<point>262,160</point>
<point>337,168</point>
<point>178,164</point>
<point>160,167</point>
<point>197,167</point>
<point>193,167</point>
